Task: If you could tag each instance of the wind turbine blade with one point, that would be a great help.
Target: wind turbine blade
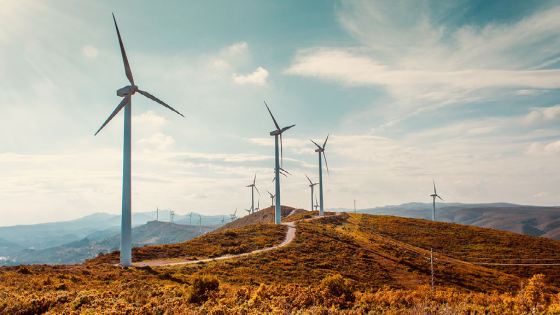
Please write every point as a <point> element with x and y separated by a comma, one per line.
<point>255,179</point>
<point>125,59</point>
<point>440,198</point>
<point>286,128</point>
<point>309,179</point>
<point>275,123</point>
<point>283,170</point>
<point>153,98</point>
<point>269,193</point>
<point>115,112</point>
<point>435,193</point>
<point>326,164</point>
<point>316,144</point>
<point>324,144</point>
<point>257,190</point>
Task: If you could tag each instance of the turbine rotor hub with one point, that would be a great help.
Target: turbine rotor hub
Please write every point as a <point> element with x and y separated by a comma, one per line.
<point>127,90</point>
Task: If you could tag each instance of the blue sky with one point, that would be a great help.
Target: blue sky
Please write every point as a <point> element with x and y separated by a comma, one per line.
<point>465,92</point>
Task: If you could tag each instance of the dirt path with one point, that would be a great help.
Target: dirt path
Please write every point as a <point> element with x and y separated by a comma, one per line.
<point>290,235</point>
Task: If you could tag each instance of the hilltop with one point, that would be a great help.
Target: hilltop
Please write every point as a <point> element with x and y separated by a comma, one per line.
<point>265,215</point>
<point>345,261</point>
<point>529,220</point>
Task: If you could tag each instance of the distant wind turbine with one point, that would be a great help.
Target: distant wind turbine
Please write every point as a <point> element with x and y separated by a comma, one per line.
<point>171,215</point>
<point>200,222</point>
<point>127,92</point>
<point>434,195</point>
<point>276,133</point>
<point>190,218</point>
<point>253,185</point>
<point>258,206</point>
<point>321,150</point>
<point>248,211</point>
<point>271,198</point>
<point>312,185</point>
<point>316,203</point>
<point>157,213</point>
<point>233,217</point>
<point>223,219</point>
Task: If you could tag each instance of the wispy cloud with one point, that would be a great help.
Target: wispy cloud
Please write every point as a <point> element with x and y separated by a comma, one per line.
<point>542,115</point>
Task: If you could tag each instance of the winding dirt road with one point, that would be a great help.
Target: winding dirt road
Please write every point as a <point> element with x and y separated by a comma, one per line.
<point>290,235</point>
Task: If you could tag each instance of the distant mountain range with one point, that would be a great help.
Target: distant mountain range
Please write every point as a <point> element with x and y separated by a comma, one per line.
<point>152,233</point>
<point>96,226</point>
<point>529,220</point>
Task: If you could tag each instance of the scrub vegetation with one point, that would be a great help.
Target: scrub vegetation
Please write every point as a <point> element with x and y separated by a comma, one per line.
<point>339,264</point>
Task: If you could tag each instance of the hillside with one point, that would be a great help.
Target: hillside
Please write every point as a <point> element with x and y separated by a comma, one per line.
<point>265,215</point>
<point>153,233</point>
<point>529,220</point>
<point>346,262</point>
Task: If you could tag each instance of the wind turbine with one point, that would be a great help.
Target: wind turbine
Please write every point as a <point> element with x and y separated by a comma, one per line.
<point>248,211</point>
<point>321,150</point>
<point>157,213</point>
<point>354,205</point>
<point>253,193</point>
<point>258,206</point>
<point>200,222</point>
<point>171,215</point>
<point>276,133</point>
<point>434,195</point>
<point>127,92</point>
<point>223,219</point>
<point>311,184</point>
<point>316,203</point>
<point>233,217</point>
<point>190,219</point>
<point>271,198</point>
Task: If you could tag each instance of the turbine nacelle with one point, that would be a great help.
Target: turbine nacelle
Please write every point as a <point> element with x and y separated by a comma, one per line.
<point>127,90</point>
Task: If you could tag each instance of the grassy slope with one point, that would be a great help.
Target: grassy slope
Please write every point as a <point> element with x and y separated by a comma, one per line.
<point>375,252</point>
<point>235,241</point>
<point>265,215</point>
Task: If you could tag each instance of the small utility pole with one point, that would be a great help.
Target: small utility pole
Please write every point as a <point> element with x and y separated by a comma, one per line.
<point>432,267</point>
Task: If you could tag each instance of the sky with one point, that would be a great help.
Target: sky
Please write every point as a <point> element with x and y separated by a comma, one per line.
<point>461,92</point>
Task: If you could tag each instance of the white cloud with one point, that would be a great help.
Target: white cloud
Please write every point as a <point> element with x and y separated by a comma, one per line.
<point>238,48</point>
<point>149,118</point>
<point>90,51</point>
<point>542,115</point>
<point>258,77</point>
<point>420,61</point>
<point>160,140</point>
<point>537,148</point>
<point>199,195</point>
<point>530,92</point>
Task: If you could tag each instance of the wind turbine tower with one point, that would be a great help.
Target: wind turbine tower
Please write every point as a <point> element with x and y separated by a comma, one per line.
<point>316,204</point>
<point>171,215</point>
<point>311,184</point>
<point>200,223</point>
<point>253,193</point>
<point>321,150</point>
<point>277,160</point>
<point>434,195</point>
<point>126,93</point>
<point>190,219</point>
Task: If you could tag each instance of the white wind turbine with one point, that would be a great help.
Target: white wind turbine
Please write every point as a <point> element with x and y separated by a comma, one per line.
<point>434,195</point>
<point>190,218</point>
<point>311,184</point>
<point>276,133</point>
<point>233,215</point>
<point>271,198</point>
<point>258,206</point>
<point>316,203</point>
<point>321,150</point>
<point>171,215</point>
<point>253,193</point>
<point>127,92</point>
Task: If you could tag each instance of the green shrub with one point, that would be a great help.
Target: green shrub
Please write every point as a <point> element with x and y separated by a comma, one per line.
<point>201,285</point>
